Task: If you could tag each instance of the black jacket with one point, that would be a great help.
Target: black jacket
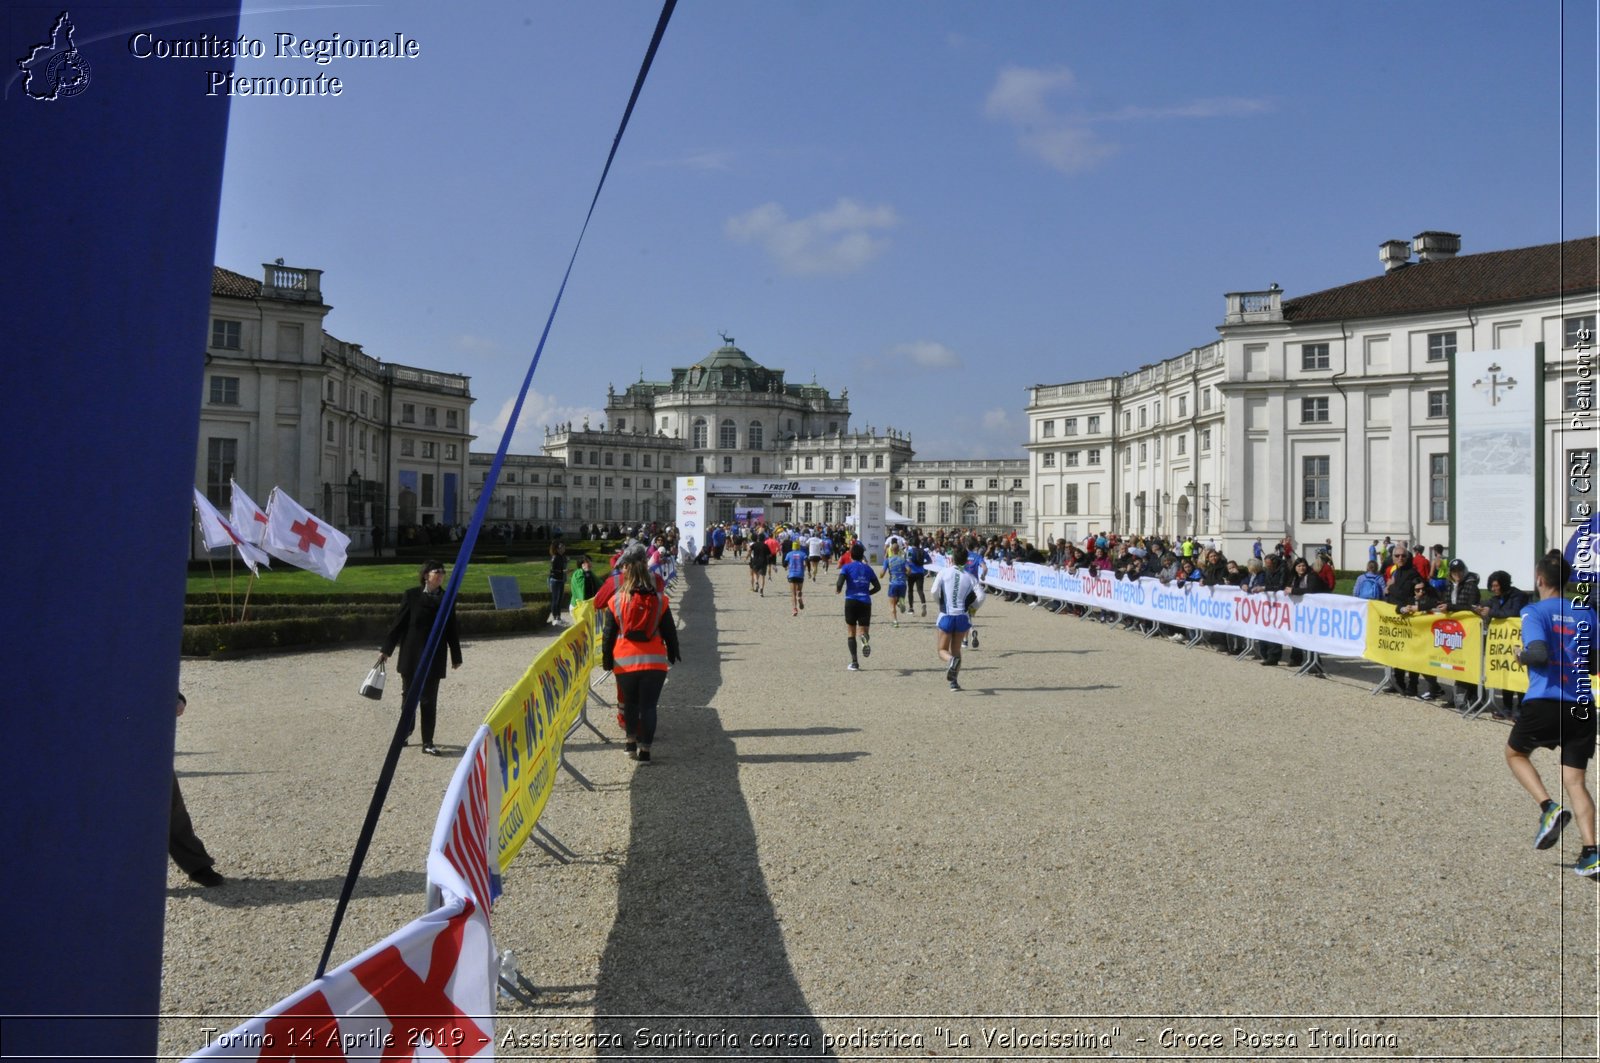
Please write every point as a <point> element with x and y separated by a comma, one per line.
<point>410,633</point>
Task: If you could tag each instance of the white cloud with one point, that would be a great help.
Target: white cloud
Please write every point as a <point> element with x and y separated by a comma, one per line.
<point>538,411</point>
<point>997,420</point>
<point>471,343</point>
<point>926,354</point>
<point>838,240</point>
<point>1067,140</point>
<point>1019,94</point>
<point>1070,149</point>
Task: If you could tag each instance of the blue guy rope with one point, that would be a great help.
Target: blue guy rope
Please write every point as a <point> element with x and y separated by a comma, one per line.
<point>408,708</point>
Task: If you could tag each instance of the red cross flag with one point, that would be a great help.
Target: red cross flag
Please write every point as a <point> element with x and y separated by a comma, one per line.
<point>427,991</point>
<point>217,532</point>
<point>295,536</point>
<point>424,992</point>
<point>249,519</point>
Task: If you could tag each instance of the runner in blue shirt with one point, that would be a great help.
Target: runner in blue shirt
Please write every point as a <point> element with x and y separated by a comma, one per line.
<point>795,559</point>
<point>917,561</point>
<point>862,584</point>
<point>1558,648</point>
<point>894,570</point>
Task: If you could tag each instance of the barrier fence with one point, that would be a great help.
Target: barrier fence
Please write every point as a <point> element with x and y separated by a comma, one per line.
<point>1460,646</point>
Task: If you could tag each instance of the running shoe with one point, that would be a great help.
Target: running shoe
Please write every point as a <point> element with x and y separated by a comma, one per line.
<point>1588,865</point>
<point>974,638</point>
<point>924,608</point>
<point>796,612</point>
<point>852,667</point>
<point>866,647</point>
<point>952,669</point>
<point>1427,695</point>
<point>897,623</point>
<point>802,603</point>
<point>1550,824</point>
<point>954,685</point>
<point>643,756</point>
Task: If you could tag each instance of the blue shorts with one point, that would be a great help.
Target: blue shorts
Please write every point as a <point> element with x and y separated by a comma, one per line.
<point>954,625</point>
<point>897,590</point>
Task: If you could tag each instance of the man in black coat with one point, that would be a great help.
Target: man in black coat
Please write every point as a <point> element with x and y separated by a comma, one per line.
<point>418,611</point>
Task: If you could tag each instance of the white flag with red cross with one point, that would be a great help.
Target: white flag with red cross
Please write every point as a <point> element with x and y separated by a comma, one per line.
<point>248,518</point>
<point>427,991</point>
<point>295,536</point>
<point>217,532</point>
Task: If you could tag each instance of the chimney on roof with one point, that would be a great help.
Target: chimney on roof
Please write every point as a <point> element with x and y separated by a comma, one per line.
<point>1434,246</point>
<point>1394,254</point>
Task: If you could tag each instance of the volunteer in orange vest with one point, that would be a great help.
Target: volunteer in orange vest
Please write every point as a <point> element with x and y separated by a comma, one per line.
<point>641,642</point>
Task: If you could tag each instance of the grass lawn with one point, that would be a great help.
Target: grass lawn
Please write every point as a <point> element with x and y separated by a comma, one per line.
<point>363,579</point>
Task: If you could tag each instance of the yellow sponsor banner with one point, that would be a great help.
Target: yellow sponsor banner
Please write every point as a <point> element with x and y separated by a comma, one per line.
<point>1448,646</point>
<point>530,722</point>
<point>1502,643</point>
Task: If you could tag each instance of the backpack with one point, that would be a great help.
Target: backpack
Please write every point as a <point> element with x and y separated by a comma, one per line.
<point>638,617</point>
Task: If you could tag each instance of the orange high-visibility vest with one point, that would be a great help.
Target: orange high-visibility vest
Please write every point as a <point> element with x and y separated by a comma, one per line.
<point>647,656</point>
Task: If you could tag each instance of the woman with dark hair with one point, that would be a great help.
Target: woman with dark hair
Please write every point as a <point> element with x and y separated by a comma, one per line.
<point>640,644</point>
<point>558,580</point>
<point>418,611</point>
<point>1504,601</point>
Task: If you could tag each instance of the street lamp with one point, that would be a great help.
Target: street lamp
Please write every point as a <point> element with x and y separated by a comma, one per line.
<point>1189,489</point>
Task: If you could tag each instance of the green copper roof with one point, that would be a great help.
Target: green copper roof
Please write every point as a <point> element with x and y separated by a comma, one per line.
<point>727,369</point>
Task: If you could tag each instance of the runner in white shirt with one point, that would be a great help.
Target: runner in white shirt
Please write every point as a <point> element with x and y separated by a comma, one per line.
<point>814,554</point>
<point>955,591</point>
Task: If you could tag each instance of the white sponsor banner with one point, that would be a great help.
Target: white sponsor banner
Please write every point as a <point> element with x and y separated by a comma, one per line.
<point>872,502</point>
<point>1332,624</point>
<point>1494,435</point>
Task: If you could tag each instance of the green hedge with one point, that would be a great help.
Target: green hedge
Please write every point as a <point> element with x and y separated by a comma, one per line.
<point>212,613</point>
<point>387,599</point>
<point>303,632</point>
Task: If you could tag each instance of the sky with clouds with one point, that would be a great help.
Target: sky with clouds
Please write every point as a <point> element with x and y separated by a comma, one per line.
<point>932,204</point>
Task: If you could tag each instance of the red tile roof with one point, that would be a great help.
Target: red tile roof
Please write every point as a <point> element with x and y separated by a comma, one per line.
<point>1568,268</point>
<point>227,282</point>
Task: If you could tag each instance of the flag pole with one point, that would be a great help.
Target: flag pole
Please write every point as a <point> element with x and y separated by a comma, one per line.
<point>248,587</point>
<point>215,589</point>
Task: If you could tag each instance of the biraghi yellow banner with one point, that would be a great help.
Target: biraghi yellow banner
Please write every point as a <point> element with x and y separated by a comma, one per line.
<point>1446,646</point>
<point>1502,643</point>
<point>530,722</point>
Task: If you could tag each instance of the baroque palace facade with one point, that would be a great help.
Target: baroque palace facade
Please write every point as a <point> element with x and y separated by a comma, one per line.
<point>1324,417</point>
<point>729,416</point>
<point>359,442</point>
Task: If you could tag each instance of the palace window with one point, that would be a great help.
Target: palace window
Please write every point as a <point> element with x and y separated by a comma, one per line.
<point>222,459</point>
<point>1314,411</point>
<point>1315,480</point>
<point>225,334</point>
<point>1441,346</point>
<point>225,390</point>
<point>1314,356</point>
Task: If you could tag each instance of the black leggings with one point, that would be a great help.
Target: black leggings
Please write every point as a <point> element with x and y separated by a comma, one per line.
<point>914,587</point>
<point>427,706</point>
<point>638,692</point>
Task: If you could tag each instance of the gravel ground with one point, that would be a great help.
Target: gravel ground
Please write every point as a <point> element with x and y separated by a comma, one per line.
<point>1101,839</point>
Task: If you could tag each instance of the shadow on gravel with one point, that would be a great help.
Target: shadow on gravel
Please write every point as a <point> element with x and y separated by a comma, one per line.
<point>696,934</point>
<point>790,732</point>
<point>250,892</point>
